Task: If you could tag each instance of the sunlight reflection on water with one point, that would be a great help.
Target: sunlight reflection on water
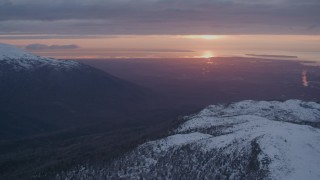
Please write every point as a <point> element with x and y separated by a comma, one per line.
<point>305,82</point>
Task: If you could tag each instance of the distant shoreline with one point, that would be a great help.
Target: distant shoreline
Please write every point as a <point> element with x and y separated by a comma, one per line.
<point>271,56</point>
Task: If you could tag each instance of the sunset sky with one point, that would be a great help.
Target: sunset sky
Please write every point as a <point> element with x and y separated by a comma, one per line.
<point>162,28</point>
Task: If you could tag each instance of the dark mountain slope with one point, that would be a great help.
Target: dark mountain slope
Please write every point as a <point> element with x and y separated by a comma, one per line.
<point>39,94</point>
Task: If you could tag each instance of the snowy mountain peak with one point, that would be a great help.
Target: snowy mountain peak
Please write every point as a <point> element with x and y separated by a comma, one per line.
<point>11,52</point>
<point>19,59</point>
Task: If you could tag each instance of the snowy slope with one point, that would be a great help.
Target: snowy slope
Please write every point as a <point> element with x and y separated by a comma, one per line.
<point>244,140</point>
<point>19,59</point>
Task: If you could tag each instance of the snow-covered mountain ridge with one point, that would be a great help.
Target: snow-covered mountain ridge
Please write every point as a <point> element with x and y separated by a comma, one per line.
<point>244,140</point>
<point>22,60</point>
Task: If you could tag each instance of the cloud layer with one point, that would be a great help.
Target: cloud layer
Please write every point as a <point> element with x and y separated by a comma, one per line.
<point>36,47</point>
<point>160,16</point>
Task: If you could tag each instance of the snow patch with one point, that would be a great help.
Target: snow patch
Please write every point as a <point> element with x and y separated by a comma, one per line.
<point>176,140</point>
<point>22,60</point>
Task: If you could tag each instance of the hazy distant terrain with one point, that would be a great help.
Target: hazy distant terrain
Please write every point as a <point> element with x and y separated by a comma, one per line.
<point>200,82</point>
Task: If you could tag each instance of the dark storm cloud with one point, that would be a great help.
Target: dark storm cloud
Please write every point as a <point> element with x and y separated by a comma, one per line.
<point>35,47</point>
<point>160,16</point>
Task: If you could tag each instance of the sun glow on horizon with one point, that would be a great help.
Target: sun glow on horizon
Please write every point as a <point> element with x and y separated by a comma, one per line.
<point>207,54</point>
